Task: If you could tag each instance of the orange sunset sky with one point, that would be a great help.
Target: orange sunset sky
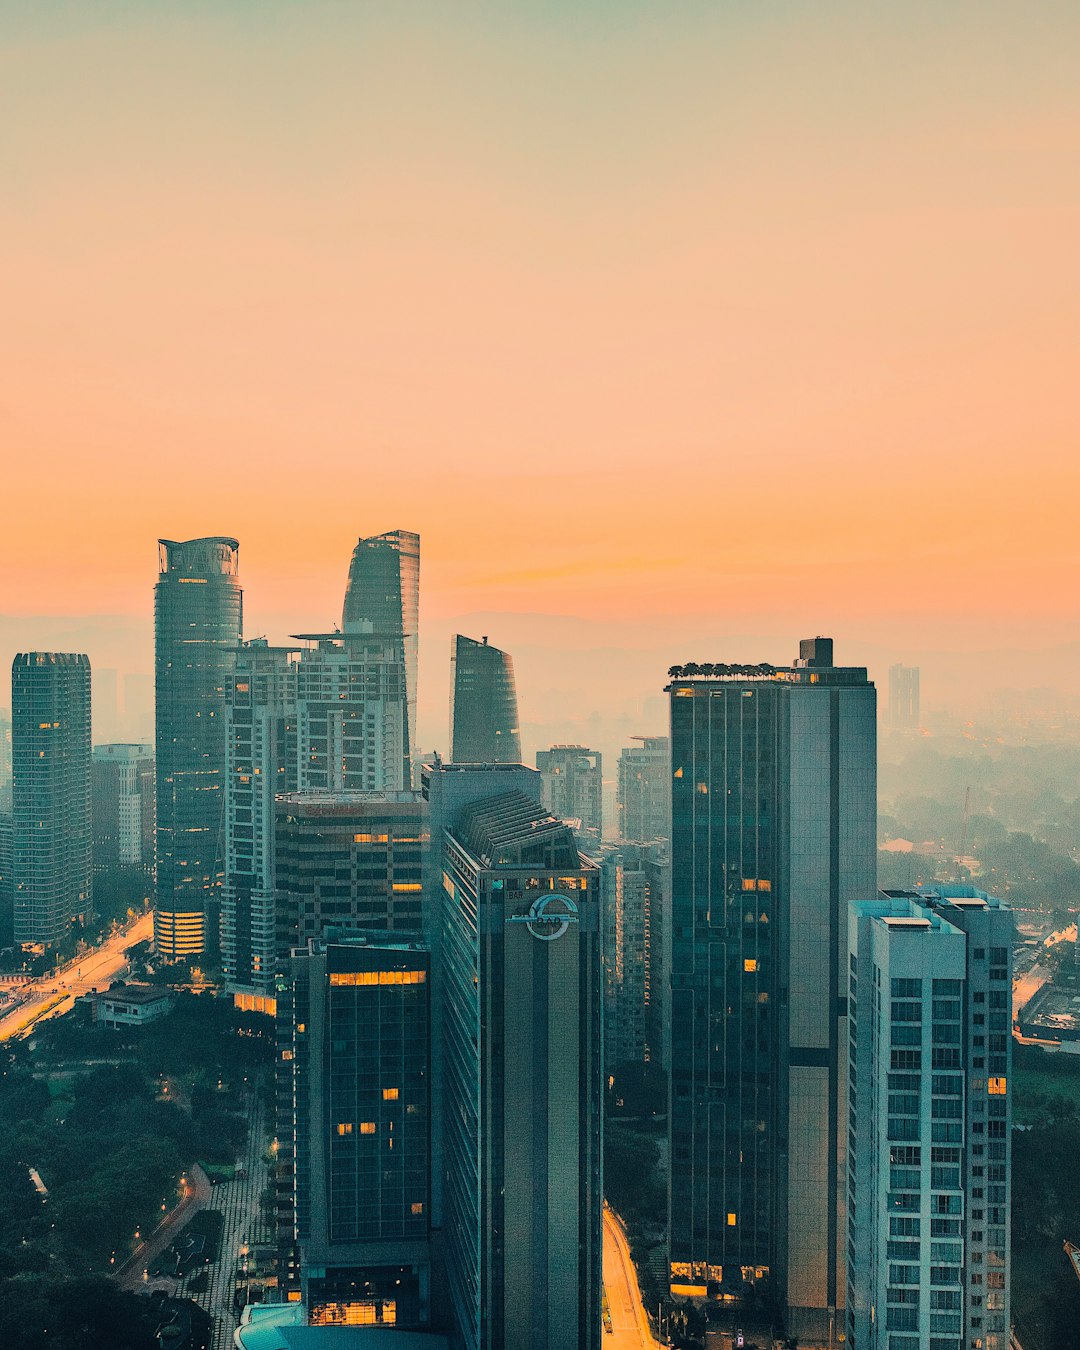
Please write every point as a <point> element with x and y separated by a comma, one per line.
<point>637,312</point>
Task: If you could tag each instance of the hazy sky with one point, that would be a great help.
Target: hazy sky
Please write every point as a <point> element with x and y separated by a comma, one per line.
<point>635,311</point>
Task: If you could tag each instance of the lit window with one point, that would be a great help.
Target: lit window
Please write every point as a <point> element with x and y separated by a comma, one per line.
<point>764,885</point>
<point>390,1094</point>
<point>367,1127</point>
<point>731,1219</point>
<point>345,1127</point>
<point>417,1207</point>
<point>749,884</point>
<point>399,886</point>
<point>996,1087</point>
<point>750,964</point>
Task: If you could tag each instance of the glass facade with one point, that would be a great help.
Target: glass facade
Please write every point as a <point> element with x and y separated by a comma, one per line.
<point>773,835</point>
<point>51,865</point>
<point>198,619</point>
<point>484,724</point>
<point>521,1021</point>
<point>384,592</point>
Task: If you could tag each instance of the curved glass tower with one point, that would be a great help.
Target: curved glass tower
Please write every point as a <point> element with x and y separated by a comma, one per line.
<point>197,626</point>
<point>383,597</point>
<point>484,726</point>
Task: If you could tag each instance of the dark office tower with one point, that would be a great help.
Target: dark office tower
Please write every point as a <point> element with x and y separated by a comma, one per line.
<point>51,813</point>
<point>573,787</point>
<point>929,998</point>
<point>260,715</point>
<point>773,837</point>
<point>197,626</point>
<point>352,724</point>
<point>643,797</point>
<point>903,696</point>
<point>484,719</point>
<point>384,593</point>
<point>352,861</point>
<point>634,884</point>
<point>354,1150</point>
<point>123,803</point>
<point>521,1018</point>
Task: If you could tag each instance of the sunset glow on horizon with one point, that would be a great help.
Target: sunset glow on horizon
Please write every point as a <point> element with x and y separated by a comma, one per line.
<point>630,311</point>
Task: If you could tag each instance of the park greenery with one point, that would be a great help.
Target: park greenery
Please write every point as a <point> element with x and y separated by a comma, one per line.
<point>111,1121</point>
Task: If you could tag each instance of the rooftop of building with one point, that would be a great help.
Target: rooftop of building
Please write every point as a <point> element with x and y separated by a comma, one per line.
<point>50,659</point>
<point>514,830</point>
<point>135,993</point>
<point>813,665</point>
<point>283,1326</point>
<point>345,803</point>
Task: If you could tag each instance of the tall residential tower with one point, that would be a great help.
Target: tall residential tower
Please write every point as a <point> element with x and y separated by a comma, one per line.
<point>197,627</point>
<point>52,830</point>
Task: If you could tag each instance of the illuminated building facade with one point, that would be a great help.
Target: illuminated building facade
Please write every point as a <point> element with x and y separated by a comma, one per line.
<point>929,993</point>
<point>52,830</point>
<point>521,1020</point>
<point>773,836</point>
<point>383,596</point>
<point>354,1139</point>
<point>198,619</point>
<point>484,723</point>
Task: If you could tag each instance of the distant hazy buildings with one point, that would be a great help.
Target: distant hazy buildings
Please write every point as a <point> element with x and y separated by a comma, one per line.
<point>261,762</point>
<point>643,797</point>
<point>106,710</point>
<point>51,804</point>
<point>773,836</point>
<point>572,778</point>
<point>484,721</point>
<point>929,994</point>
<point>903,696</point>
<point>355,1133</point>
<point>197,626</point>
<point>521,1020</point>
<point>138,719</point>
<point>123,806</point>
<point>5,762</point>
<point>383,597</point>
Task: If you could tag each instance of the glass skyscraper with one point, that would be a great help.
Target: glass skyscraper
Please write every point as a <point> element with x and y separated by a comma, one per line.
<point>198,620</point>
<point>773,836</point>
<point>383,597</point>
<point>52,832</point>
<point>929,995</point>
<point>520,1017</point>
<point>484,719</point>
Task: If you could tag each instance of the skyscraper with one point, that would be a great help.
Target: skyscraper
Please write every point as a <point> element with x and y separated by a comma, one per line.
<point>773,836</point>
<point>349,861</point>
<point>573,783</point>
<point>123,804</point>
<point>521,1019</point>
<point>929,994</point>
<point>260,717</point>
<point>51,813</point>
<point>198,619</point>
<point>903,696</point>
<point>354,1139</point>
<point>484,719</point>
<point>643,797</point>
<point>383,593</point>
<point>352,720</point>
<point>5,762</point>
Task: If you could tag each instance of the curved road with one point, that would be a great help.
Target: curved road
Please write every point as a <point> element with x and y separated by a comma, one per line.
<point>629,1325</point>
<point>95,969</point>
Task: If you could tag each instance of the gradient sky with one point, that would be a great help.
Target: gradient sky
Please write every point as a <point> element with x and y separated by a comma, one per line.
<point>634,311</point>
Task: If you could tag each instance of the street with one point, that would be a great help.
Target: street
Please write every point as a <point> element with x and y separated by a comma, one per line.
<point>95,969</point>
<point>629,1324</point>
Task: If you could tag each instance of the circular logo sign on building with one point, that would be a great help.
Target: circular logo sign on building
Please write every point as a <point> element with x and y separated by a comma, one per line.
<point>549,916</point>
